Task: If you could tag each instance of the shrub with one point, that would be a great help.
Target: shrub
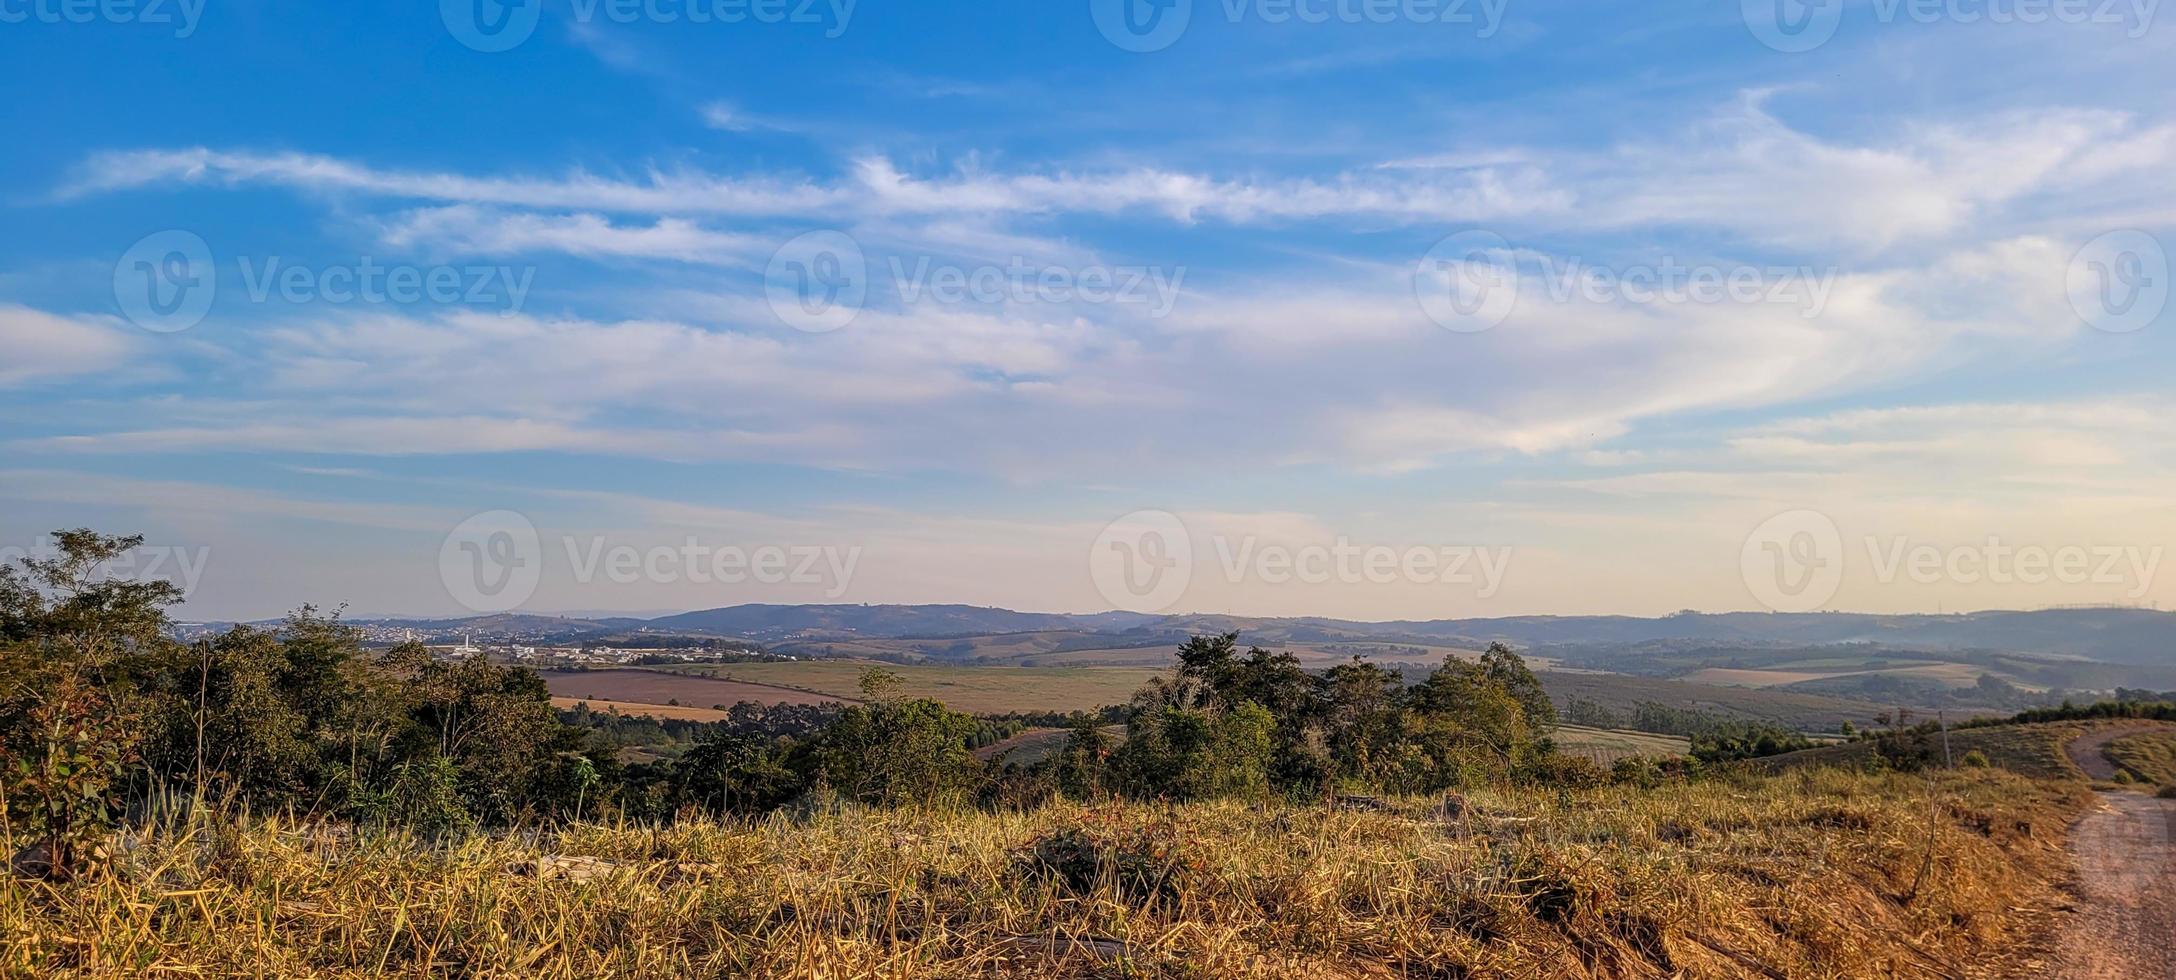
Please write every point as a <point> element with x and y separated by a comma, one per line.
<point>2167,792</point>
<point>2124,778</point>
<point>1140,862</point>
<point>1976,759</point>
<point>1576,772</point>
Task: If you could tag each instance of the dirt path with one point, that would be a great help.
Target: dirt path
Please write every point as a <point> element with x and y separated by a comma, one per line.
<point>2087,750</point>
<point>2124,924</point>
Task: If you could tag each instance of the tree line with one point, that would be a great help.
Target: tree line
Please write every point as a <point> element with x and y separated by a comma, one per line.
<point>106,717</point>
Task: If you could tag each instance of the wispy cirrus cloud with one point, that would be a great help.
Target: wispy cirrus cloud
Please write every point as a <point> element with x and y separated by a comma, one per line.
<point>470,229</point>
<point>1740,170</point>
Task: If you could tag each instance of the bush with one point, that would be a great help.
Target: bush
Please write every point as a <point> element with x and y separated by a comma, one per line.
<point>1976,759</point>
<point>1140,862</point>
<point>1571,771</point>
<point>2167,792</point>
<point>2124,778</point>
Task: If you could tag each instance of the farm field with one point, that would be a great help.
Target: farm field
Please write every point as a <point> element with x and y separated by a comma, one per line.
<point>1952,675</point>
<point>1607,745</point>
<point>1623,693</point>
<point>976,690</point>
<point>1000,690</point>
<point>659,688</point>
<point>2031,750</point>
<point>1074,649</point>
<point>1750,677</point>
<point>1313,657</point>
<point>634,708</point>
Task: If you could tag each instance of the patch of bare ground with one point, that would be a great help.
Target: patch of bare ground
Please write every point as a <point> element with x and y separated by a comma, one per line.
<point>2122,921</point>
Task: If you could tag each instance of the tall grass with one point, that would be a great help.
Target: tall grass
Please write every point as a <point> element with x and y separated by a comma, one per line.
<point>1817,873</point>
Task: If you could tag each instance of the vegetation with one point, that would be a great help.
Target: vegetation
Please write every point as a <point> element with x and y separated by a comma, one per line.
<point>975,690</point>
<point>2149,757</point>
<point>2031,749</point>
<point>279,802</point>
<point>104,713</point>
<point>1816,874</point>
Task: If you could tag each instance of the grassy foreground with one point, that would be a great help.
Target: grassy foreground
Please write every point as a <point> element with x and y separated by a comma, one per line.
<point>1814,873</point>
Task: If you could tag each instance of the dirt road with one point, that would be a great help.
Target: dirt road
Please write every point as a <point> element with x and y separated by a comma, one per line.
<point>2124,925</point>
<point>2086,750</point>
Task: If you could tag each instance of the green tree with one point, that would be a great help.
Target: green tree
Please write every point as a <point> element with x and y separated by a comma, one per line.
<point>894,752</point>
<point>72,717</point>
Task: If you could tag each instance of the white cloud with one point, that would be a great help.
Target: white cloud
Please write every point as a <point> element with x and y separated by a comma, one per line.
<point>1741,170</point>
<point>468,229</point>
<point>36,346</point>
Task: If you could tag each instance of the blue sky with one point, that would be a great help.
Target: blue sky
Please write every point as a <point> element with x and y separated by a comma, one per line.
<point>1205,281</point>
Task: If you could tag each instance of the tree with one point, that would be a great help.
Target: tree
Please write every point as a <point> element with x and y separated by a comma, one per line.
<point>1508,670</point>
<point>893,752</point>
<point>71,715</point>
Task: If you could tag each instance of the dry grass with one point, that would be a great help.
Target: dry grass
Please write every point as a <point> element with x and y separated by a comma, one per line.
<point>1818,873</point>
<point>2031,750</point>
<point>634,708</point>
<point>2149,757</point>
<point>975,690</point>
<point>1607,745</point>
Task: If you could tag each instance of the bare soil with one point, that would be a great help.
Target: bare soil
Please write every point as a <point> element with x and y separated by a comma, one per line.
<point>2088,751</point>
<point>2123,924</point>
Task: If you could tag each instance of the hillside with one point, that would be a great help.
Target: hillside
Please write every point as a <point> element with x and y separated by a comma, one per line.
<point>1822,874</point>
<point>2137,637</point>
<point>2039,750</point>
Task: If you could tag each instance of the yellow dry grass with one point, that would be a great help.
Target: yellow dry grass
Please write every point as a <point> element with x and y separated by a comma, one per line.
<point>2149,757</point>
<point>642,708</point>
<point>1817,873</point>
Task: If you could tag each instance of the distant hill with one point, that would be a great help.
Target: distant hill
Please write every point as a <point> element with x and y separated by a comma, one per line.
<point>2119,636</point>
<point>886,621</point>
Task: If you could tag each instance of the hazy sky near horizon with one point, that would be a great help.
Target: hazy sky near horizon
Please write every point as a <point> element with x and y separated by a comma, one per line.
<point>1393,310</point>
